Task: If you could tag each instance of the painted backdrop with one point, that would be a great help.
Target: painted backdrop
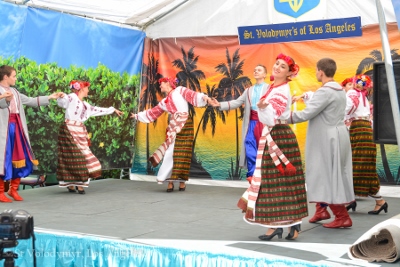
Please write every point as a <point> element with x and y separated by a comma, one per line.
<point>49,49</point>
<point>220,67</point>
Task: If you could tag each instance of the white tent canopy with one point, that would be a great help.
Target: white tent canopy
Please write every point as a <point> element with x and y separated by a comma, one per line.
<point>184,18</point>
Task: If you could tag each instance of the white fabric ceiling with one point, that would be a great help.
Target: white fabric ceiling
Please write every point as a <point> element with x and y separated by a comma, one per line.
<point>131,12</point>
<point>184,18</point>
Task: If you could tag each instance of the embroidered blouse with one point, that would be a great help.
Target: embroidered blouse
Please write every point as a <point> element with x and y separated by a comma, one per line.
<point>357,105</point>
<point>78,110</point>
<point>279,100</point>
<point>176,101</point>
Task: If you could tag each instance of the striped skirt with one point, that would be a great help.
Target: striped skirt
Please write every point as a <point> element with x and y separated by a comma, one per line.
<point>365,178</point>
<point>282,198</point>
<point>183,152</point>
<point>76,162</point>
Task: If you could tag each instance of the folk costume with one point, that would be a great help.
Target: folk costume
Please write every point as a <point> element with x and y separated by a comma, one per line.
<point>176,152</point>
<point>251,126</point>
<point>76,162</point>
<point>16,157</point>
<point>358,110</point>
<point>276,196</point>
<point>328,154</point>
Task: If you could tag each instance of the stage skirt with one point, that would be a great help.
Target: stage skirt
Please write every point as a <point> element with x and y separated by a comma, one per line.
<point>365,178</point>
<point>182,155</point>
<point>282,199</point>
<point>76,162</point>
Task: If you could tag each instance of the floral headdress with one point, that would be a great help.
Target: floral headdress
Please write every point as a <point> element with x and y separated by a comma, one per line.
<point>347,80</point>
<point>171,81</point>
<point>363,80</point>
<point>293,67</point>
<point>78,85</point>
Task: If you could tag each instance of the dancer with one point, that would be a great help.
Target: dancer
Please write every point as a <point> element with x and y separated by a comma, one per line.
<point>276,196</point>
<point>251,126</point>
<point>176,151</point>
<point>365,178</point>
<point>76,162</point>
<point>16,157</point>
<point>348,84</point>
<point>328,153</point>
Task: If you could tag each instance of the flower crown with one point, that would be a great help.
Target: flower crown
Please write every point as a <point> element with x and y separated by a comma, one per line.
<point>293,67</point>
<point>363,80</point>
<point>171,81</point>
<point>78,85</point>
<point>347,80</point>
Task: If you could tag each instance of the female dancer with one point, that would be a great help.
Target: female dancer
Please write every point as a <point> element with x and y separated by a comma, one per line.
<point>365,178</point>
<point>277,195</point>
<point>76,162</point>
<point>176,151</point>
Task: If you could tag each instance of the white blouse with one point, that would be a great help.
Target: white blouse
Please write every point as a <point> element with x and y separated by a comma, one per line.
<point>279,100</point>
<point>77,110</point>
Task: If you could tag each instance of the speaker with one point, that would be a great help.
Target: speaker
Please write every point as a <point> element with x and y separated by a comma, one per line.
<point>384,130</point>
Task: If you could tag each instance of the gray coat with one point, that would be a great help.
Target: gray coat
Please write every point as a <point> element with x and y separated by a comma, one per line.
<point>5,115</point>
<point>244,99</point>
<point>329,172</point>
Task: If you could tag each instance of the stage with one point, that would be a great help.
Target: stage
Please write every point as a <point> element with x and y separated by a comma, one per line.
<point>137,223</point>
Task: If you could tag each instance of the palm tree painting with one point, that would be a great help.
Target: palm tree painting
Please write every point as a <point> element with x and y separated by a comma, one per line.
<point>209,116</point>
<point>366,67</point>
<point>231,86</point>
<point>148,99</point>
<point>189,76</point>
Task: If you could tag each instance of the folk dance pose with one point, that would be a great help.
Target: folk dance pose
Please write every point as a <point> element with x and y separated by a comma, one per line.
<point>251,126</point>
<point>176,152</point>
<point>76,162</point>
<point>365,178</point>
<point>16,157</point>
<point>328,153</point>
<point>276,197</point>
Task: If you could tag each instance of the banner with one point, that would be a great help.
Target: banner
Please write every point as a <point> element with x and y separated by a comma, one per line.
<point>218,136</point>
<point>300,31</point>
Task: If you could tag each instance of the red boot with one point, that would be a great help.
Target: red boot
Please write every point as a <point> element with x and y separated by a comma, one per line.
<point>320,214</point>
<point>13,190</point>
<point>342,218</point>
<point>3,197</point>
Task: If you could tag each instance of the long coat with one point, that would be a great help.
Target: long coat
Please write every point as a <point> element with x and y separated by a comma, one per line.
<point>244,99</point>
<point>329,173</point>
<point>5,116</point>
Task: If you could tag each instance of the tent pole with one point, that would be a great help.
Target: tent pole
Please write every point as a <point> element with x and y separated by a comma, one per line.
<point>389,70</point>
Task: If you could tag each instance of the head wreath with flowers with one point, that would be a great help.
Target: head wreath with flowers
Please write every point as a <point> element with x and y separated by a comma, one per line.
<point>78,85</point>
<point>347,80</point>
<point>293,67</point>
<point>172,81</point>
<point>363,81</point>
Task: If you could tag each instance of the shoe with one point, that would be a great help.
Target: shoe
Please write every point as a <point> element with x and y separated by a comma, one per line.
<point>291,234</point>
<point>182,188</point>
<point>82,192</point>
<point>382,207</point>
<point>342,218</point>
<point>321,213</point>
<point>170,189</point>
<point>13,189</point>
<point>352,206</point>
<point>71,190</point>
<point>278,232</point>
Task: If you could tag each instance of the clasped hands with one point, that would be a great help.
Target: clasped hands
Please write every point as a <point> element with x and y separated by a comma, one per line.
<point>7,95</point>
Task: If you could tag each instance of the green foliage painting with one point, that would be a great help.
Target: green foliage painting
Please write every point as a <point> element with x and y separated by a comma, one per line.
<point>111,136</point>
